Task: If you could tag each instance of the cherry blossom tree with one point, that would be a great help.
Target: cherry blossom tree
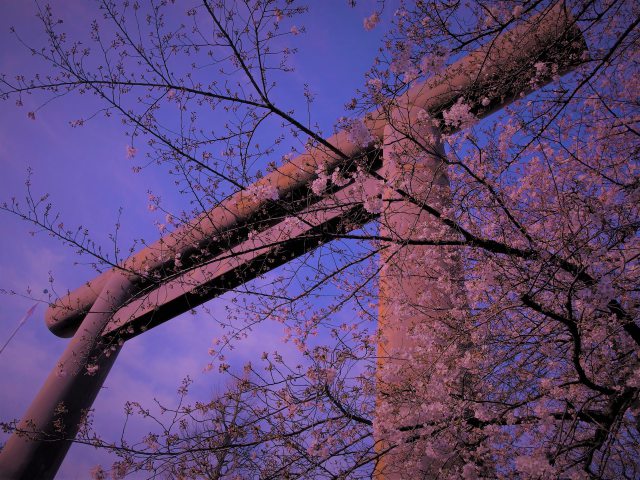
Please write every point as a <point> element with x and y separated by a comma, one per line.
<point>524,256</point>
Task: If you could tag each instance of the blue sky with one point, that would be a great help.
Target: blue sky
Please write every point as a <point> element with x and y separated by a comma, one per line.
<point>88,176</point>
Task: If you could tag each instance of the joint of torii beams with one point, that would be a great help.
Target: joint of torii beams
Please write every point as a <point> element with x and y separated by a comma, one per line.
<point>123,302</point>
<point>496,73</point>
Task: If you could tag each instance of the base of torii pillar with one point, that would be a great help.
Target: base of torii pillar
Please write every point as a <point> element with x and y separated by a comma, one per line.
<point>44,435</point>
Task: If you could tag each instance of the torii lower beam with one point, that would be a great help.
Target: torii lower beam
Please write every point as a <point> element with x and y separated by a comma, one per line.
<point>498,72</point>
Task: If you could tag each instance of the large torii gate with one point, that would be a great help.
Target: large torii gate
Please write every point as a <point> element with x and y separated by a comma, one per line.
<point>151,287</point>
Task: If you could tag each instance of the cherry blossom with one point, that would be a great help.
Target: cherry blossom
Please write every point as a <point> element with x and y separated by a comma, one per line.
<point>459,115</point>
<point>371,21</point>
<point>358,133</point>
<point>505,260</point>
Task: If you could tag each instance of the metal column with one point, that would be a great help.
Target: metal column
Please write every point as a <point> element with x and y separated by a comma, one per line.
<point>419,285</point>
<point>41,440</point>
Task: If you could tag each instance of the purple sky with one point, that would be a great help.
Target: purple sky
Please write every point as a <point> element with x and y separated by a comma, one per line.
<point>88,176</point>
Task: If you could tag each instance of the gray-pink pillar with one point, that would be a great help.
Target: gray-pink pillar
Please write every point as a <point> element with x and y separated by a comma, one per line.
<point>419,288</point>
<point>42,438</point>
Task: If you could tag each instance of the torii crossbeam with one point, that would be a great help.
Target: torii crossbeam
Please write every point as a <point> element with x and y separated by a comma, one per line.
<point>174,275</point>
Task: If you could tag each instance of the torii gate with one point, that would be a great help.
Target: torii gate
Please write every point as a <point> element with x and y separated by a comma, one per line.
<point>120,304</point>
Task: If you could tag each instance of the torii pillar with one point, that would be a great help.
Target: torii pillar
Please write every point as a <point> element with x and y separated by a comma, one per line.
<point>420,338</point>
<point>55,415</point>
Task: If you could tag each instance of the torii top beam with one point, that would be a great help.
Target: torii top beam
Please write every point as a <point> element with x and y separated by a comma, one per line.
<point>498,72</point>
